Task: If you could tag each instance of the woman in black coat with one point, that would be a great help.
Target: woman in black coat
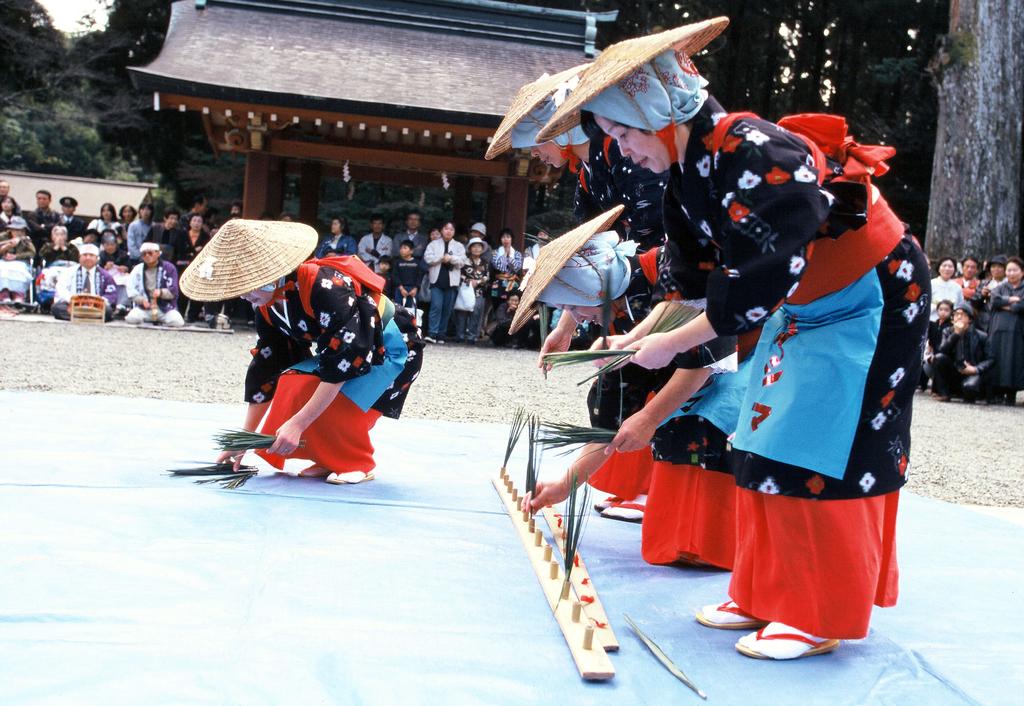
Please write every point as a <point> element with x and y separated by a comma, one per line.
<point>1006,332</point>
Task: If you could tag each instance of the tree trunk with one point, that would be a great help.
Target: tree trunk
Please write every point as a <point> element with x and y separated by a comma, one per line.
<point>975,202</point>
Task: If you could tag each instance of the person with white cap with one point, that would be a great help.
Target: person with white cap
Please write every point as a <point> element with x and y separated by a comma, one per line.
<point>469,310</point>
<point>153,290</point>
<point>16,255</point>
<point>805,248</point>
<point>85,278</point>
<point>320,407</point>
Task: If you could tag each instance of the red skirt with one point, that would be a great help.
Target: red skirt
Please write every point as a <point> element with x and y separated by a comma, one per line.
<point>816,565</point>
<point>625,475</point>
<point>339,439</point>
<point>690,515</point>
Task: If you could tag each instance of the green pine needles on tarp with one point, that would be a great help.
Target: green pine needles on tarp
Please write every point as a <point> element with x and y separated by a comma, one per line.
<point>660,655</point>
<point>558,435</point>
<point>533,456</point>
<point>224,474</point>
<point>574,518</point>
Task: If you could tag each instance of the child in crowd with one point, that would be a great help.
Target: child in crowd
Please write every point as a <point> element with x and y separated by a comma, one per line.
<point>408,273</point>
<point>386,271</point>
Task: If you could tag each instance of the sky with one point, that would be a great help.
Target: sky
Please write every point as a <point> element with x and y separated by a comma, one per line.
<point>66,13</point>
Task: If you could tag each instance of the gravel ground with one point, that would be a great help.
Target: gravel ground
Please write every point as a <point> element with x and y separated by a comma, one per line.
<point>961,454</point>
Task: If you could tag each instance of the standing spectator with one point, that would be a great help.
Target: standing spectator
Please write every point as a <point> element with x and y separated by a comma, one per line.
<point>42,220</point>
<point>445,258</point>
<point>199,206</point>
<point>58,248</point>
<point>189,244</point>
<point>16,256</point>
<point>962,359</point>
<point>138,232</point>
<point>507,263</point>
<point>936,331</point>
<point>68,219</point>
<point>153,290</point>
<point>412,232</point>
<point>476,273</point>
<point>387,273</point>
<point>235,211</point>
<point>128,214</point>
<point>1006,332</point>
<point>408,276</point>
<point>8,210</point>
<point>479,230</point>
<point>374,244</point>
<point>339,242</point>
<point>86,278</point>
<point>106,221</point>
<point>982,295</point>
<point>968,279</point>
<point>5,191</point>
<point>944,286</point>
<point>166,233</point>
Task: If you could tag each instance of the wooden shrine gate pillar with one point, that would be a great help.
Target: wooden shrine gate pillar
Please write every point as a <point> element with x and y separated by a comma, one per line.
<point>462,205</point>
<point>309,192</point>
<point>495,214</point>
<point>264,185</point>
<point>517,196</point>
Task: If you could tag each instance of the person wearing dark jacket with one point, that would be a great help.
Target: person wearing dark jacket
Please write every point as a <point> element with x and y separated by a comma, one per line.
<point>962,360</point>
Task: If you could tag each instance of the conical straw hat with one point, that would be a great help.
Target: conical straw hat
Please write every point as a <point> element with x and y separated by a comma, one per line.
<point>619,60</point>
<point>246,255</point>
<point>552,259</point>
<point>529,97</point>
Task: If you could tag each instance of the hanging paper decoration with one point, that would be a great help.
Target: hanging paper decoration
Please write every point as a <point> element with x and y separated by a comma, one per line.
<point>423,198</point>
<point>346,176</point>
<point>444,180</point>
<point>351,190</point>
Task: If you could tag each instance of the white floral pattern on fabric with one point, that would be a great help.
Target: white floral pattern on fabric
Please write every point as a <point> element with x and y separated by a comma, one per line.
<point>796,265</point>
<point>704,165</point>
<point>748,180</point>
<point>728,199</point>
<point>259,397</point>
<point>867,482</point>
<point>905,271</point>
<point>757,137</point>
<point>768,486</point>
<point>326,283</point>
<point>756,314</point>
<point>303,326</point>
<point>911,312</point>
<point>325,319</point>
<point>344,365</point>
<point>897,377</point>
<point>805,175</point>
<point>878,421</point>
<point>348,336</point>
<point>266,351</point>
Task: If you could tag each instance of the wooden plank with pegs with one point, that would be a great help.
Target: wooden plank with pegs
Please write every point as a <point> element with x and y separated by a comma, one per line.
<point>583,584</point>
<point>584,643</point>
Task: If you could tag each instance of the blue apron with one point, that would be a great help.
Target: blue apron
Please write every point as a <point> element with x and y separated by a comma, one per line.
<point>806,386</point>
<point>719,402</point>
<point>365,390</point>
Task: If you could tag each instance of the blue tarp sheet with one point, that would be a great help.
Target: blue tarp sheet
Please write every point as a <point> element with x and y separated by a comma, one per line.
<point>120,585</point>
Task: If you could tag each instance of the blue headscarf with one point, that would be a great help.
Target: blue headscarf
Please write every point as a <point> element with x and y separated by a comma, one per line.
<point>602,261</point>
<point>524,134</point>
<point>666,90</point>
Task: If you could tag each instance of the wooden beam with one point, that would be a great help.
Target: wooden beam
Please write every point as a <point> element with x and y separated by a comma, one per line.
<point>517,196</point>
<point>495,214</point>
<point>309,192</point>
<point>384,176</point>
<point>480,132</point>
<point>388,158</point>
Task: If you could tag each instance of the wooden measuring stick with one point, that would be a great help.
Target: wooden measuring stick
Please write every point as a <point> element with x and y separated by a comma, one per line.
<point>592,662</point>
<point>595,610</point>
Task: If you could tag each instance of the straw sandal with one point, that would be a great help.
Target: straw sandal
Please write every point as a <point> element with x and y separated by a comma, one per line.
<point>727,616</point>
<point>350,477</point>
<point>791,644</point>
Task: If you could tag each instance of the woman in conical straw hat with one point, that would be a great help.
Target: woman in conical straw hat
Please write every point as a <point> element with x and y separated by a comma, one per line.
<point>821,447</point>
<point>605,179</point>
<point>319,406</point>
